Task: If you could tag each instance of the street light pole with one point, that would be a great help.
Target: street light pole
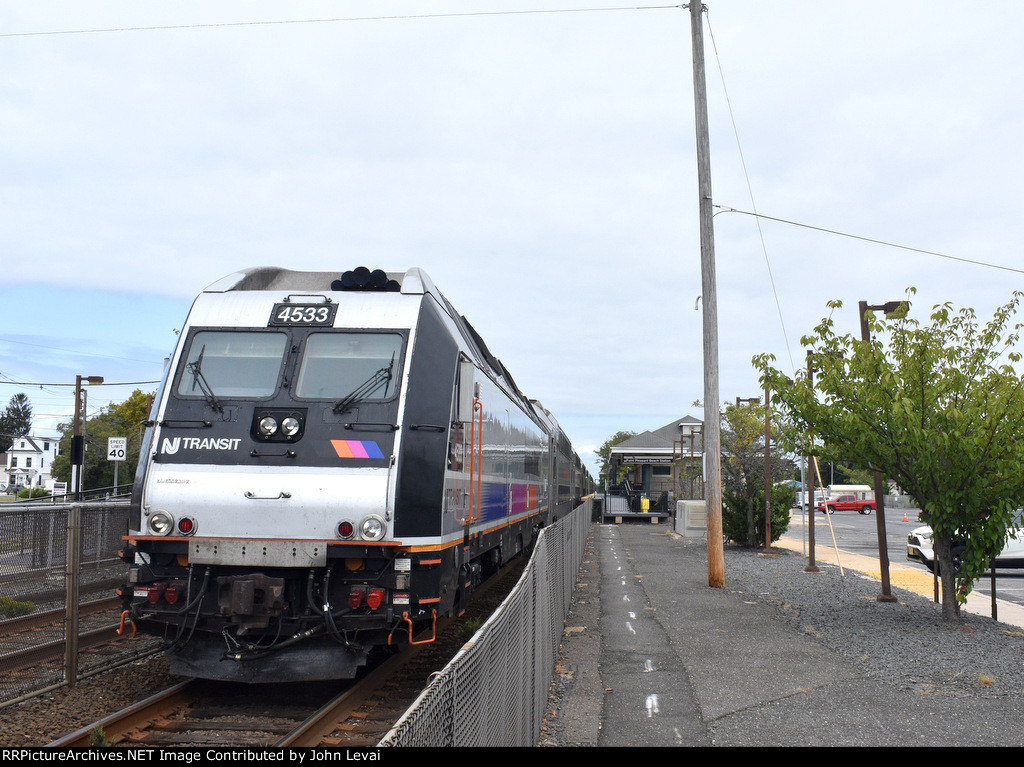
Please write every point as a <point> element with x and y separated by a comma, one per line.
<point>883,547</point>
<point>811,467</point>
<point>77,438</point>
<point>751,528</point>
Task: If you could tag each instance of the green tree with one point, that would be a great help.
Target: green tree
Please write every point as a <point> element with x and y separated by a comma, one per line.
<point>605,451</point>
<point>937,408</point>
<point>743,474</point>
<point>836,469</point>
<point>119,420</point>
<point>15,421</point>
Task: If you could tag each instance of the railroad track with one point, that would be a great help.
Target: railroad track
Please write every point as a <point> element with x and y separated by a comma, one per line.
<point>199,713</point>
<point>44,618</point>
<point>23,632</point>
<point>354,714</point>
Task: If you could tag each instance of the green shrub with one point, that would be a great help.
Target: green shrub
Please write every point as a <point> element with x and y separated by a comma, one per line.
<point>98,738</point>
<point>35,492</point>
<point>12,608</point>
<point>734,515</point>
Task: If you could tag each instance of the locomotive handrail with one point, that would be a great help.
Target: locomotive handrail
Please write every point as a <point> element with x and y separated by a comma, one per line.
<point>476,453</point>
<point>286,454</point>
<point>371,426</point>
<point>433,632</point>
<point>290,296</point>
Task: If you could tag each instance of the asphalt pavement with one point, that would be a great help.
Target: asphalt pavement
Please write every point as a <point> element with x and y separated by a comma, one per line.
<point>654,656</point>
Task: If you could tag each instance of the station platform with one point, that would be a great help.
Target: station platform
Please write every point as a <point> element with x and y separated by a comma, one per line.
<point>616,508</point>
<point>653,656</point>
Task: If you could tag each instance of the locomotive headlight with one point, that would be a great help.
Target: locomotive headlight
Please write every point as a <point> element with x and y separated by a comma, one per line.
<point>160,523</point>
<point>372,528</point>
<point>278,424</point>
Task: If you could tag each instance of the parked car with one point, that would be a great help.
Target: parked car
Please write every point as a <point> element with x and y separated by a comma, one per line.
<point>801,498</point>
<point>919,548</point>
<point>847,502</point>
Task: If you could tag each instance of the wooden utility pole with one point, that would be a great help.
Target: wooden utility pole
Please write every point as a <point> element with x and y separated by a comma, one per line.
<point>709,302</point>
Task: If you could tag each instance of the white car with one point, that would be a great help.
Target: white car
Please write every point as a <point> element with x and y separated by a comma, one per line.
<point>919,548</point>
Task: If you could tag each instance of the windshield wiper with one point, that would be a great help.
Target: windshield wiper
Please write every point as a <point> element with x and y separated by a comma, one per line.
<point>381,378</point>
<point>196,368</point>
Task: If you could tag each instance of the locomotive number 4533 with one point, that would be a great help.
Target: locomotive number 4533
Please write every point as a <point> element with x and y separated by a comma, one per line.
<point>303,314</point>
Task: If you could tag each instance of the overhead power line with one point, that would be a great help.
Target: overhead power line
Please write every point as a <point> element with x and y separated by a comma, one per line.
<point>91,386</point>
<point>862,238</point>
<point>337,20</point>
<point>72,351</point>
<point>750,191</point>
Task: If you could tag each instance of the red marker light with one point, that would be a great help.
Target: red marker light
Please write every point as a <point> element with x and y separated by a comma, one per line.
<point>375,597</point>
<point>186,526</point>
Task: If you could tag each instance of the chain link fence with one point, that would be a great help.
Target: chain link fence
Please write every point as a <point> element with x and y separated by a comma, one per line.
<point>52,556</point>
<point>493,693</point>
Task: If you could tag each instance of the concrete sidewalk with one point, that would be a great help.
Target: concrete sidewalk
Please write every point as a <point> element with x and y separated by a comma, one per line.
<point>652,656</point>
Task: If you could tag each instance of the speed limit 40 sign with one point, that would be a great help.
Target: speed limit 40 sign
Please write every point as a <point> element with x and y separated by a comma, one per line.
<point>117,448</point>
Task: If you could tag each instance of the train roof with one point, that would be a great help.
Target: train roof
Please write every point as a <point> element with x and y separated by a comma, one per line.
<point>413,281</point>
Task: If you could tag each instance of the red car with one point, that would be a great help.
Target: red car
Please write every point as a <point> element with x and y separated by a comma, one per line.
<point>847,502</point>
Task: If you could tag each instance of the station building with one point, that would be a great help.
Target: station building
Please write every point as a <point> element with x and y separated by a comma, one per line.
<point>667,460</point>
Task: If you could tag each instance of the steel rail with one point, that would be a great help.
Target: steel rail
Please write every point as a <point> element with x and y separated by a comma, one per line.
<point>36,620</point>
<point>127,719</point>
<point>323,721</point>
<point>54,650</point>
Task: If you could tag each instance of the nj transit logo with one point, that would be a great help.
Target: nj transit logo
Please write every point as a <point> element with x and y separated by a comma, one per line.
<point>170,446</point>
<point>354,448</point>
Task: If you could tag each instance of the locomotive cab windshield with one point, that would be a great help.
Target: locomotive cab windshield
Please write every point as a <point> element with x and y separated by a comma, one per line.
<point>248,364</point>
<point>232,363</point>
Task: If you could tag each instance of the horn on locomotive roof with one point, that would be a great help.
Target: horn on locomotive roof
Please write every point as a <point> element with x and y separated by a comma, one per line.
<point>362,278</point>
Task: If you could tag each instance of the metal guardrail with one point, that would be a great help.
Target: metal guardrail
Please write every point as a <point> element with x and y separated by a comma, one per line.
<point>53,557</point>
<point>493,693</point>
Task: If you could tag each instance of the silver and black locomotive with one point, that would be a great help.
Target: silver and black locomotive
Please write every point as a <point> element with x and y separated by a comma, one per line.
<point>334,462</point>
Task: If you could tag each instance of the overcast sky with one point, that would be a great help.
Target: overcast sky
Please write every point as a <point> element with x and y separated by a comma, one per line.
<point>540,167</point>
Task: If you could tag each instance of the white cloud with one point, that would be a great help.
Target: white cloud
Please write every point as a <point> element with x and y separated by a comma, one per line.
<point>539,167</point>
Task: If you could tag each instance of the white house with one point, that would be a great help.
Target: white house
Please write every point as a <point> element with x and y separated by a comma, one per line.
<point>28,463</point>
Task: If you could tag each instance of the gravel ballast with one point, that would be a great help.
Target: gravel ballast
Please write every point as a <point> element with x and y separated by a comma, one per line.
<point>915,649</point>
<point>42,719</point>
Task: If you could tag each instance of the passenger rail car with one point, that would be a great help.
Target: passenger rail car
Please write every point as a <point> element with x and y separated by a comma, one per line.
<point>333,463</point>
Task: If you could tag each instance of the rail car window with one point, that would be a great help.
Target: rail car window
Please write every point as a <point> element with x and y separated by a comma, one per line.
<point>233,364</point>
<point>334,365</point>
